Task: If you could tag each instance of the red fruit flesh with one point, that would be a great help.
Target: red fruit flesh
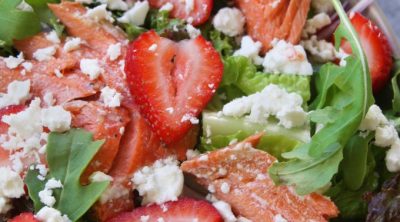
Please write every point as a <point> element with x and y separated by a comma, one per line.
<point>24,217</point>
<point>183,210</point>
<point>377,49</point>
<point>200,12</point>
<point>173,83</point>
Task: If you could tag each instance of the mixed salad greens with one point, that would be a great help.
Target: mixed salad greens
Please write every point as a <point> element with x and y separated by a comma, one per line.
<point>330,155</point>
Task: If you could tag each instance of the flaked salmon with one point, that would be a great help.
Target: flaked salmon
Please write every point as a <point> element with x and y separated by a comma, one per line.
<point>270,19</point>
<point>251,193</point>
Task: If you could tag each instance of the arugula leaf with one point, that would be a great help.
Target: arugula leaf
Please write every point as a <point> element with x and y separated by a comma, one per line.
<point>395,86</point>
<point>348,91</point>
<point>68,155</point>
<point>241,74</point>
<point>16,24</point>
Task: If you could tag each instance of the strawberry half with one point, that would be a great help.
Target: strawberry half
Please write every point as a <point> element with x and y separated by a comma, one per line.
<point>172,82</point>
<point>196,10</point>
<point>24,217</point>
<point>376,47</point>
<point>183,210</point>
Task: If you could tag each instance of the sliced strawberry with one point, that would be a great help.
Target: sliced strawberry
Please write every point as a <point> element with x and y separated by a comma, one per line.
<point>7,111</point>
<point>376,47</point>
<point>185,209</point>
<point>173,83</point>
<point>24,217</point>
<point>196,10</point>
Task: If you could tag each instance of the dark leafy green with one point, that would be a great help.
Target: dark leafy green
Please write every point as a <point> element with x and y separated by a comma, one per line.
<point>68,155</point>
<point>395,87</point>
<point>347,90</point>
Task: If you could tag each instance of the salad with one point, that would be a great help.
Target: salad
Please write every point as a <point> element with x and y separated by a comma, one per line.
<point>196,110</point>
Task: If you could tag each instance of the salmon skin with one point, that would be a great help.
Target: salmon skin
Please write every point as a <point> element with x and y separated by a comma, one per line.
<point>251,193</point>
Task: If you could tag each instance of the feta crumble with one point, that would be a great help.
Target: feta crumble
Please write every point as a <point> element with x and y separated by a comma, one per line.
<point>225,210</point>
<point>229,21</point>
<point>53,37</point>
<point>11,186</point>
<point>321,50</point>
<point>167,7</point>
<point>161,182</point>
<point>99,176</point>
<point>13,62</point>
<point>49,214</point>
<point>385,136</point>
<point>46,195</point>
<point>17,93</point>
<point>393,157</point>
<point>250,49</point>
<point>110,97</point>
<point>115,4</point>
<point>44,54</point>
<point>285,58</point>
<point>191,154</point>
<point>114,51</point>
<point>192,31</point>
<point>137,14</point>
<point>91,68</point>
<point>373,119</point>
<point>99,13</point>
<point>56,118</point>
<point>271,101</point>
<point>72,44</point>
<point>316,23</point>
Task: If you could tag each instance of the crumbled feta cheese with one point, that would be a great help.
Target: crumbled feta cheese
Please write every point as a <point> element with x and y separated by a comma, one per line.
<point>189,6</point>
<point>161,182</point>
<point>115,4</point>
<point>49,99</point>
<point>322,5</point>
<point>153,48</point>
<point>393,157</point>
<point>144,218</point>
<point>114,51</point>
<point>190,154</point>
<point>272,100</point>
<point>110,97</point>
<point>53,37</point>
<point>91,68</point>
<point>13,62</point>
<point>42,169</point>
<point>192,31</point>
<point>229,21</point>
<point>99,13</point>
<point>385,136</point>
<point>27,66</point>
<point>167,7</point>
<point>225,188</point>
<point>373,119</point>
<point>49,214</point>
<point>17,93</point>
<point>44,54</point>
<point>250,49</point>
<point>46,197</point>
<point>316,23</point>
<point>99,176</point>
<point>189,117</point>
<point>113,192</point>
<point>321,50</point>
<point>11,183</point>
<point>342,55</point>
<point>72,44</point>
<point>279,218</point>
<point>137,14</point>
<point>5,205</point>
<point>25,128</point>
<point>23,6</point>
<point>285,58</point>
<point>56,118</point>
<point>225,210</point>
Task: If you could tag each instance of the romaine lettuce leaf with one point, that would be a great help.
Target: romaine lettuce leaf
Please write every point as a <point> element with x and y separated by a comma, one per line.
<point>241,74</point>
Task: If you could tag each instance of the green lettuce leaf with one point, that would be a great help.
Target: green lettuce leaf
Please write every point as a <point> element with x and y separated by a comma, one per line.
<point>396,89</point>
<point>16,24</point>
<point>347,90</point>
<point>242,75</point>
<point>68,155</point>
